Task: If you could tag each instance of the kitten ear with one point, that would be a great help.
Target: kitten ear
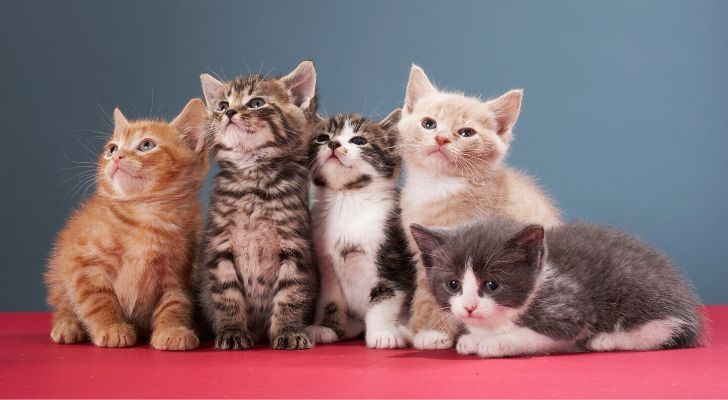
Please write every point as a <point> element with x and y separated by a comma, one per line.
<point>391,120</point>
<point>190,124</point>
<point>301,83</point>
<point>210,88</point>
<point>506,109</point>
<point>120,121</point>
<point>389,126</point>
<point>427,240</point>
<point>418,86</point>
<point>529,242</point>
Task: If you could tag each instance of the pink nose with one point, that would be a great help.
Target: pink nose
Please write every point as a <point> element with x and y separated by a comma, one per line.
<point>119,157</point>
<point>470,309</point>
<point>441,140</point>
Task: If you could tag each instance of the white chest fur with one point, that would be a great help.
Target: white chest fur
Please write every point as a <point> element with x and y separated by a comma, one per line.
<point>349,229</point>
<point>424,187</point>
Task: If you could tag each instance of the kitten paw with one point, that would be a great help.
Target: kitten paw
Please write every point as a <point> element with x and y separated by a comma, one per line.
<point>429,339</point>
<point>233,339</point>
<point>467,344</point>
<point>68,331</point>
<point>117,335</point>
<point>175,338</point>
<point>385,339</point>
<point>602,342</point>
<point>496,347</point>
<point>322,334</point>
<point>292,341</point>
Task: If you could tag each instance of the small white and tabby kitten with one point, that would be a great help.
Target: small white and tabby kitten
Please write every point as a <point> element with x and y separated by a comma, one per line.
<point>520,290</point>
<point>367,272</point>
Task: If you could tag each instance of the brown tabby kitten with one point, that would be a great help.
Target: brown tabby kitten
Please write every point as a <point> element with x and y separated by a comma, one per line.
<point>257,276</point>
<point>122,265</point>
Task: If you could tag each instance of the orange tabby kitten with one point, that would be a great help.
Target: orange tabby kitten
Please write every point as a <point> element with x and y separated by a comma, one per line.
<point>122,265</point>
<point>454,146</point>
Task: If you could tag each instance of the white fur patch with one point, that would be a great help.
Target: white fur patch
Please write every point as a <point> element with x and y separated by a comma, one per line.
<point>425,187</point>
<point>382,320</point>
<point>651,335</point>
<point>518,341</point>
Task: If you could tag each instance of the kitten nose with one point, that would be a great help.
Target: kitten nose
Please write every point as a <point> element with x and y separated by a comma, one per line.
<point>334,144</point>
<point>230,112</point>
<point>441,140</point>
<point>470,309</point>
<point>119,157</point>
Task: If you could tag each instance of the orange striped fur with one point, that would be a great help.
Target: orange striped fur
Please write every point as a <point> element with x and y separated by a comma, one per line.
<point>121,267</point>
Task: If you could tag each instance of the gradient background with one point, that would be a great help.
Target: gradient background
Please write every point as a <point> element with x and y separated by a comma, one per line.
<point>624,117</point>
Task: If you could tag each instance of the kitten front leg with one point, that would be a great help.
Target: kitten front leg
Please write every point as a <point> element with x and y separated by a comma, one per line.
<point>100,310</point>
<point>293,302</point>
<point>225,292</point>
<point>519,342</point>
<point>331,312</point>
<point>383,317</point>
<point>172,320</point>
<point>433,329</point>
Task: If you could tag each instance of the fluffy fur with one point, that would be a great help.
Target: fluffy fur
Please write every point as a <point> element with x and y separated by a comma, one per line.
<point>367,272</point>
<point>453,147</point>
<point>520,290</point>
<point>257,277</point>
<point>122,265</point>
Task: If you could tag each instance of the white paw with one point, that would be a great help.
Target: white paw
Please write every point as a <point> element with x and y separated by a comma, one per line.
<point>428,339</point>
<point>385,339</point>
<point>467,344</point>
<point>497,346</point>
<point>603,342</point>
<point>322,334</point>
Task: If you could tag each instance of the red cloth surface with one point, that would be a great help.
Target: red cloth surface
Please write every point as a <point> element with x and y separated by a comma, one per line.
<point>33,366</point>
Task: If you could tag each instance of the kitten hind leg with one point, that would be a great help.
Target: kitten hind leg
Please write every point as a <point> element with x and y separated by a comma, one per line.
<point>383,318</point>
<point>651,335</point>
<point>331,313</point>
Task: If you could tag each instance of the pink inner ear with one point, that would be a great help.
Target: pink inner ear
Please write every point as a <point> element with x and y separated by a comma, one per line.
<point>506,109</point>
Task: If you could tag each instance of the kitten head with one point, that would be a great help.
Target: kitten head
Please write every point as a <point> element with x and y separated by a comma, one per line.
<point>483,272</point>
<point>259,115</point>
<point>350,151</point>
<point>452,133</point>
<point>149,159</point>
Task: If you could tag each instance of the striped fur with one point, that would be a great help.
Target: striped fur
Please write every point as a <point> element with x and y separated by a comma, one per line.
<point>367,271</point>
<point>256,277</point>
<point>122,265</point>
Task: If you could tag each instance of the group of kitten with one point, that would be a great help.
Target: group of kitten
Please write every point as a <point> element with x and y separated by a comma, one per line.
<point>470,253</point>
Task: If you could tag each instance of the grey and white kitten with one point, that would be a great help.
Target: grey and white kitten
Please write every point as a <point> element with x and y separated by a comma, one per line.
<point>367,271</point>
<point>257,277</point>
<point>519,290</point>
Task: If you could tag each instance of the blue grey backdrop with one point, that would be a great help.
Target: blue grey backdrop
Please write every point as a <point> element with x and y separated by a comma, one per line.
<point>624,119</point>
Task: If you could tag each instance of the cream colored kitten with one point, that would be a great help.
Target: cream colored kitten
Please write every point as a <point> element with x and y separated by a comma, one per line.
<point>454,146</point>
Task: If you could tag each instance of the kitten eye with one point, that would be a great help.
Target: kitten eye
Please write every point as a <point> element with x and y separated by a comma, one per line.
<point>466,132</point>
<point>429,123</point>
<point>358,140</point>
<point>322,138</point>
<point>223,106</point>
<point>256,103</point>
<point>146,145</point>
<point>111,150</point>
<point>491,286</point>
<point>453,285</point>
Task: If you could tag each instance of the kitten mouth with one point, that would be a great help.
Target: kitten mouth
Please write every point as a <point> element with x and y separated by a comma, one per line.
<point>439,152</point>
<point>239,127</point>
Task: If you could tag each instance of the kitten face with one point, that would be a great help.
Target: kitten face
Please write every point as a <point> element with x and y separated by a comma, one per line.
<point>454,134</point>
<point>154,158</point>
<point>483,273</point>
<point>350,151</point>
<point>261,114</point>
